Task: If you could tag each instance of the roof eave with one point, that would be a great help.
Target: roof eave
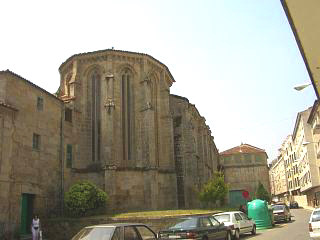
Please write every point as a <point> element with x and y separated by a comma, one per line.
<point>295,33</point>
<point>119,51</point>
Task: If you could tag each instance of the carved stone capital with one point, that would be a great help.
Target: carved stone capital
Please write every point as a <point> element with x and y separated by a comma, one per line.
<point>109,104</point>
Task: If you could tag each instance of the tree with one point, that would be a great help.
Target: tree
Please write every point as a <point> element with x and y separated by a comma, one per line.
<point>83,197</point>
<point>214,190</point>
<point>262,193</point>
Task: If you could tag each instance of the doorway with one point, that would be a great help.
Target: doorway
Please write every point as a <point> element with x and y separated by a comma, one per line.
<point>26,212</point>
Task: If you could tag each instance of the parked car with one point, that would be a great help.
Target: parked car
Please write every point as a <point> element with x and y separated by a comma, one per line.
<point>197,227</point>
<point>238,221</point>
<point>314,224</point>
<point>281,212</point>
<point>294,204</point>
<point>117,231</point>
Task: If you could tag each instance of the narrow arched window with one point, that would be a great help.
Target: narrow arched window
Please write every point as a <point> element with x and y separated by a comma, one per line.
<point>95,115</point>
<point>126,106</point>
<point>154,104</point>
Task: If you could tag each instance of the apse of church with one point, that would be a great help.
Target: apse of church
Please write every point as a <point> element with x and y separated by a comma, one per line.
<point>122,125</point>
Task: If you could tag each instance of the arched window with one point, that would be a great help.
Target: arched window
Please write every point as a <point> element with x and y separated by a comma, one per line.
<point>95,80</point>
<point>126,106</point>
<point>154,104</point>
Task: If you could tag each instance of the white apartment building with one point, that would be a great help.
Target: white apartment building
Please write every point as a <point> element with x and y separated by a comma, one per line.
<point>305,152</point>
<point>278,179</point>
<point>314,122</point>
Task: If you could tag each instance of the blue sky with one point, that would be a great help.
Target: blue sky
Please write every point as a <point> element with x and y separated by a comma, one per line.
<point>237,61</point>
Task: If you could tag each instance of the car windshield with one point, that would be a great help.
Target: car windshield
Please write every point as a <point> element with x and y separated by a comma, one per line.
<point>223,217</point>
<point>95,233</point>
<point>315,216</point>
<point>185,223</point>
<point>277,207</point>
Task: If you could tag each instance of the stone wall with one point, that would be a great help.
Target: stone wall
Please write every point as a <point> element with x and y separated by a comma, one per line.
<point>243,171</point>
<point>196,155</point>
<point>26,168</point>
<point>247,178</point>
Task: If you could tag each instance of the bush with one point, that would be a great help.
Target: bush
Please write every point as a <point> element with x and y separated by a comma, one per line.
<point>215,190</point>
<point>84,197</point>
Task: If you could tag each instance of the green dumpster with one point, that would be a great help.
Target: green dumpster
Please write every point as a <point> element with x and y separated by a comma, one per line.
<point>258,211</point>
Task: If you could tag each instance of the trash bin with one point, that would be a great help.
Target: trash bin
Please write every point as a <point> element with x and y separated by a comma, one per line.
<point>259,212</point>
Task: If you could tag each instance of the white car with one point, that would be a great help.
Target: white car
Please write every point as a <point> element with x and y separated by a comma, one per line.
<point>238,221</point>
<point>314,224</point>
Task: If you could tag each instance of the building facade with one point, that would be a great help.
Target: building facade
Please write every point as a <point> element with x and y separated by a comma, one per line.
<point>300,152</point>
<point>306,157</point>
<point>196,155</point>
<point>113,122</point>
<point>288,152</point>
<point>279,180</point>
<point>244,167</point>
<point>30,157</point>
<point>314,144</point>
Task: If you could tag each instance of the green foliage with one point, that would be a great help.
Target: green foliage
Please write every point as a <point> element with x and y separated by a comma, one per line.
<point>216,189</point>
<point>262,193</point>
<point>84,197</point>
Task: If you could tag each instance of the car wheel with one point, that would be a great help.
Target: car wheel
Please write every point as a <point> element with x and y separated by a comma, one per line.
<point>237,234</point>
<point>228,237</point>
<point>289,219</point>
<point>254,230</point>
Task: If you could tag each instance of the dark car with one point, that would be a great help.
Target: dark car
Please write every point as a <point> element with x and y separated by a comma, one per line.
<point>117,231</point>
<point>294,204</point>
<point>197,227</point>
<point>281,212</point>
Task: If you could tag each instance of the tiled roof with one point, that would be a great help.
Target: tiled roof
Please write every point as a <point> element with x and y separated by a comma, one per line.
<point>243,148</point>
<point>119,51</point>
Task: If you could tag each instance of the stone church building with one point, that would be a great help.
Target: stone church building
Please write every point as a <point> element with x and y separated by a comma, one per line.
<point>113,122</point>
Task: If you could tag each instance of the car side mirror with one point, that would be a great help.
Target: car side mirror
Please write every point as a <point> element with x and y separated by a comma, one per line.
<point>222,224</point>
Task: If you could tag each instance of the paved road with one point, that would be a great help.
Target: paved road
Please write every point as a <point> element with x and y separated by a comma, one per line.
<point>297,229</point>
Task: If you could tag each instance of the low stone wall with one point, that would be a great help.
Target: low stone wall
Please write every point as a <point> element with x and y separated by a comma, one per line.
<point>65,229</point>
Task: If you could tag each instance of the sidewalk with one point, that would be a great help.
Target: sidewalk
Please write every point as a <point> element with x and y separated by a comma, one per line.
<point>308,208</point>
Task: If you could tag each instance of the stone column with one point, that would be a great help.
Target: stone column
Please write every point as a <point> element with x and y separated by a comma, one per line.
<point>109,113</point>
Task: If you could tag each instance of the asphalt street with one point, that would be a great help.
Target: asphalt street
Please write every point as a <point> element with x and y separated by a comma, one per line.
<point>297,229</point>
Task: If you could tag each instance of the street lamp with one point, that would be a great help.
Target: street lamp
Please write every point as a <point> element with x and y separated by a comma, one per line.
<point>301,87</point>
